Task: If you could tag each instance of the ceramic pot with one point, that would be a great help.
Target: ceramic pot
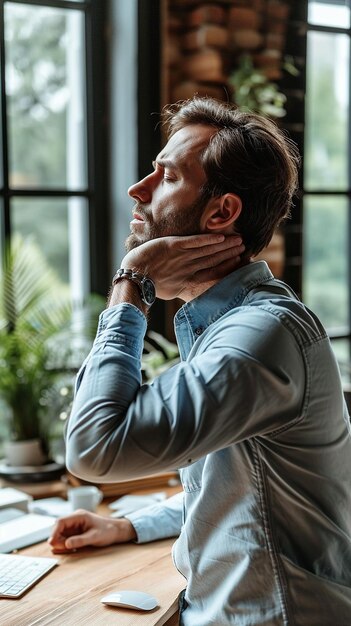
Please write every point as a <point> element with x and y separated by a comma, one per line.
<point>20,453</point>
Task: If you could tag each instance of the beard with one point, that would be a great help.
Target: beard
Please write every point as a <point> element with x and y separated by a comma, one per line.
<point>181,225</point>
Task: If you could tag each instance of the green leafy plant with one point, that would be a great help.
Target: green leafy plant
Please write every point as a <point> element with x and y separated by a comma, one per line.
<point>253,91</point>
<point>37,342</point>
<point>43,341</point>
<point>159,354</point>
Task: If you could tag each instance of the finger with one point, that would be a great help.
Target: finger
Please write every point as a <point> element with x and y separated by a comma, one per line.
<point>79,541</point>
<point>233,244</point>
<point>56,535</point>
<point>197,241</point>
<point>69,525</point>
<point>57,543</point>
<point>212,260</point>
<point>61,549</point>
<point>55,538</point>
<point>213,270</point>
<point>219,271</point>
<point>211,248</point>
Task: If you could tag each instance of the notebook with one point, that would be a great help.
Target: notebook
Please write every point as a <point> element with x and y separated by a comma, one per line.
<point>25,531</point>
<point>10,497</point>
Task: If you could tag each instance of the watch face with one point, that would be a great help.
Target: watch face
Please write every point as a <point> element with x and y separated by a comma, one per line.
<point>149,292</point>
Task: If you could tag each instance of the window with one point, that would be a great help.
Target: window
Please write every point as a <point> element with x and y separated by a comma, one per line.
<point>326,266</point>
<point>49,76</point>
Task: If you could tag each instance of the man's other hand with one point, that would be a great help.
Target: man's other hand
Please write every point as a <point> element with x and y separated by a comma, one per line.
<point>88,529</point>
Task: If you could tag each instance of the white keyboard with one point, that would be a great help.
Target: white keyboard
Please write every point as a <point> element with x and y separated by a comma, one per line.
<point>18,573</point>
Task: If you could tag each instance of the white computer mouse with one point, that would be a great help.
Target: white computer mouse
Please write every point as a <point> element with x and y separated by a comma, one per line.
<point>131,600</point>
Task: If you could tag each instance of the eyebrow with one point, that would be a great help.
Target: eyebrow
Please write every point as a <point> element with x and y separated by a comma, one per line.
<point>165,163</point>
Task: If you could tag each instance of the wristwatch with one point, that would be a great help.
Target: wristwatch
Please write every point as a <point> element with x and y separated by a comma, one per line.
<point>145,284</point>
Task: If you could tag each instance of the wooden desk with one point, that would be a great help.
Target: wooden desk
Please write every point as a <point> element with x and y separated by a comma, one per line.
<point>70,594</point>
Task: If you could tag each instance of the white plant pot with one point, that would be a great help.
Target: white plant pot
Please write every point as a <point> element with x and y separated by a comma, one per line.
<point>20,453</point>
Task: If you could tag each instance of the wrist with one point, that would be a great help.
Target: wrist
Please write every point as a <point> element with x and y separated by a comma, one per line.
<point>124,530</point>
<point>145,284</point>
<point>126,291</point>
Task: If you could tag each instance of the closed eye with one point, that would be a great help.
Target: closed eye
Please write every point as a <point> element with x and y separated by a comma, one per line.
<point>169,170</point>
<point>168,179</point>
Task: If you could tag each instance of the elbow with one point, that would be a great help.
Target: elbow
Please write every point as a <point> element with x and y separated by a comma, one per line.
<point>90,468</point>
<point>79,464</point>
<point>86,459</point>
<point>92,438</point>
<point>103,459</point>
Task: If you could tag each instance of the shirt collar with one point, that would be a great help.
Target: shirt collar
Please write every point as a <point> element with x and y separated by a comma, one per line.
<point>222,297</point>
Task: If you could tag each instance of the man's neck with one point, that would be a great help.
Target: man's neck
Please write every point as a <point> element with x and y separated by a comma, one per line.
<point>194,291</point>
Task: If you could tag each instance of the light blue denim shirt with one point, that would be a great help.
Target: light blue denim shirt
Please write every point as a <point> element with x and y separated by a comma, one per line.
<point>254,415</point>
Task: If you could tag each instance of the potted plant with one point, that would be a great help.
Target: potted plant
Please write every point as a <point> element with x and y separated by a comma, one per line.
<point>253,90</point>
<point>36,348</point>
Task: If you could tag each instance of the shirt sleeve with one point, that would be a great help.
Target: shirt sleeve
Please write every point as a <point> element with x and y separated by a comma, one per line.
<point>158,521</point>
<point>245,378</point>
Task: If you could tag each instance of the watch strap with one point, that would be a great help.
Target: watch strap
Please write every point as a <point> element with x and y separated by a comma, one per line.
<point>127,273</point>
<point>139,279</point>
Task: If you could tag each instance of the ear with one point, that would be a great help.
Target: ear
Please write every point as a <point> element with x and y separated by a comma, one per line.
<point>220,213</point>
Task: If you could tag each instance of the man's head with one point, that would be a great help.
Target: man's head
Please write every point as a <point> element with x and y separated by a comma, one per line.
<point>169,200</point>
<point>234,172</point>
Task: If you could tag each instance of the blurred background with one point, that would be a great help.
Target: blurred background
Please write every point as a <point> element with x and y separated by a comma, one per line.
<point>82,87</point>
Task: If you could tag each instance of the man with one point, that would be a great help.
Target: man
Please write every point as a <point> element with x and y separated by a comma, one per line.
<point>253,415</point>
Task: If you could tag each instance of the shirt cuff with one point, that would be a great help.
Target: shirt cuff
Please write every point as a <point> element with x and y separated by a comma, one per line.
<point>156,521</point>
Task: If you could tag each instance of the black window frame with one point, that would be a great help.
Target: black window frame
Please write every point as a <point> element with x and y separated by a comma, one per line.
<point>337,334</point>
<point>295,89</point>
<point>96,192</point>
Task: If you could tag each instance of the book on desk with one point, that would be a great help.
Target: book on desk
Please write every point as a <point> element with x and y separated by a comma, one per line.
<point>18,528</point>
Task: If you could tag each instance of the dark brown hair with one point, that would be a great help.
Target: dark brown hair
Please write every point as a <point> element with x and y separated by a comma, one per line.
<point>249,156</point>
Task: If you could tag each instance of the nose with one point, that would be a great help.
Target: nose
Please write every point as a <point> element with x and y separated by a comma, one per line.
<point>142,191</point>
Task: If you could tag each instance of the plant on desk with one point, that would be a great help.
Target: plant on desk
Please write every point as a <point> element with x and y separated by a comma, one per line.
<point>36,350</point>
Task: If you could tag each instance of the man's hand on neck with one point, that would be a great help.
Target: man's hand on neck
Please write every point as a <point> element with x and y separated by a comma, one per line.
<point>181,267</point>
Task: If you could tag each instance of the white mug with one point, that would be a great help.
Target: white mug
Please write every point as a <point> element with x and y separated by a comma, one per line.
<point>86,498</point>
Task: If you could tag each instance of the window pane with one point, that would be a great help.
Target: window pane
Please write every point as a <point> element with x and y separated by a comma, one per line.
<point>60,228</point>
<point>45,95</point>
<point>333,13</point>
<point>341,349</point>
<point>327,104</point>
<point>325,281</point>
<point>46,220</point>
